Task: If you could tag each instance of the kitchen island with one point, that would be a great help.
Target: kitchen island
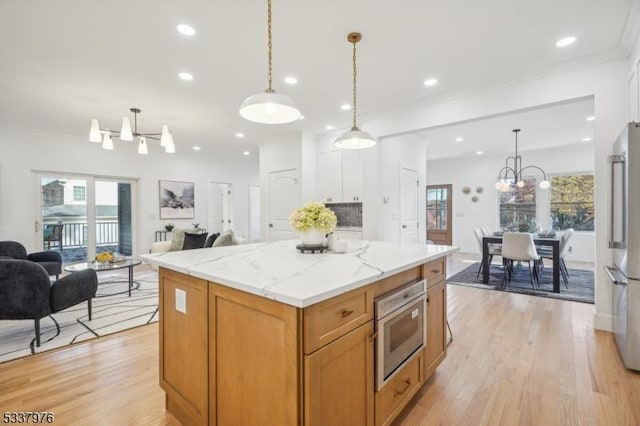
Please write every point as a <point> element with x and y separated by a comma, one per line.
<point>262,334</point>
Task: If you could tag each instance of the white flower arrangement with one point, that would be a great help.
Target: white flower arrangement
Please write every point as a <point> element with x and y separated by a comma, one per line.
<point>313,215</point>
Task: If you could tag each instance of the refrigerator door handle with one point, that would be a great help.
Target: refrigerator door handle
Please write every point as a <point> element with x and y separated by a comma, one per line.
<point>621,242</point>
<point>611,273</point>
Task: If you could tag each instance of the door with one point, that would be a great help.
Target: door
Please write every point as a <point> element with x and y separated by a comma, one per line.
<point>284,197</point>
<point>439,214</point>
<point>220,207</point>
<point>408,205</point>
<point>82,215</point>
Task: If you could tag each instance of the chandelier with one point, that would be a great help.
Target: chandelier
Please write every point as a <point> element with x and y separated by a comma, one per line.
<point>269,107</point>
<point>98,134</point>
<point>355,138</point>
<point>512,172</point>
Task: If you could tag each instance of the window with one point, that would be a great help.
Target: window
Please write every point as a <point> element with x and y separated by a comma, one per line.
<point>79,193</point>
<point>572,202</point>
<point>518,207</point>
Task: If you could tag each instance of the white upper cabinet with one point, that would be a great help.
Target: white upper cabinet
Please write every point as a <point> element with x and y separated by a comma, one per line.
<point>339,175</point>
<point>330,175</point>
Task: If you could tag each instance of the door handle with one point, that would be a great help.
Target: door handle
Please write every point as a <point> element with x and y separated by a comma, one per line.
<point>36,226</point>
<point>609,270</point>
<point>621,243</point>
<point>271,225</point>
<point>404,226</point>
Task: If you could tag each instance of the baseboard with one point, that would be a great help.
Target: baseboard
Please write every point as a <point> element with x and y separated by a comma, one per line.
<point>603,322</point>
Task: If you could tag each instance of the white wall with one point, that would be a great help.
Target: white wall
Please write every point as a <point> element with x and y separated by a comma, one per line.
<point>606,82</point>
<point>394,153</point>
<point>23,151</point>
<point>481,171</point>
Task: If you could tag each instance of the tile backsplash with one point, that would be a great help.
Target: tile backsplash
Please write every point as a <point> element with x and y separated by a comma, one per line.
<point>348,214</point>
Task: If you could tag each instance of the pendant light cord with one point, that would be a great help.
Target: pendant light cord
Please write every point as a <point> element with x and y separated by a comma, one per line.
<point>355,75</point>
<point>269,44</point>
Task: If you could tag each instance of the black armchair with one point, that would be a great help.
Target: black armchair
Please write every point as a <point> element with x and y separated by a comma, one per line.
<point>50,260</point>
<point>27,293</point>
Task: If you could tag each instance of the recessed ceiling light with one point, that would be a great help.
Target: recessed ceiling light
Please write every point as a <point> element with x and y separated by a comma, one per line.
<point>301,117</point>
<point>291,80</point>
<point>328,127</point>
<point>586,139</point>
<point>345,107</point>
<point>246,152</point>
<point>591,118</point>
<point>564,42</point>
<point>196,148</point>
<point>459,139</point>
<point>479,152</point>
<point>185,29</point>
<point>239,135</point>
<point>431,82</point>
<point>185,76</point>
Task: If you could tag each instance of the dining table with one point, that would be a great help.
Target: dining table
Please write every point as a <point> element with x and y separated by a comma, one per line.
<point>548,241</point>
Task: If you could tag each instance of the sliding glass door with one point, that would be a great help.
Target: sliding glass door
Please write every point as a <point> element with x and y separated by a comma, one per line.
<point>82,215</point>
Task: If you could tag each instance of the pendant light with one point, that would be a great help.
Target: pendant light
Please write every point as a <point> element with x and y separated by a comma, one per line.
<point>269,107</point>
<point>355,138</point>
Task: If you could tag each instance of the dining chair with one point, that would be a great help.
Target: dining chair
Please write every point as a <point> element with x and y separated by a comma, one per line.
<point>547,253</point>
<point>486,231</point>
<point>494,249</point>
<point>519,246</point>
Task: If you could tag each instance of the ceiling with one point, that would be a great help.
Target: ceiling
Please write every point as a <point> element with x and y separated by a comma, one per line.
<point>66,62</point>
<point>551,126</point>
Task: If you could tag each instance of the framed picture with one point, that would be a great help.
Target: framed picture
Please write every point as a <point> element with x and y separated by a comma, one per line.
<point>176,200</point>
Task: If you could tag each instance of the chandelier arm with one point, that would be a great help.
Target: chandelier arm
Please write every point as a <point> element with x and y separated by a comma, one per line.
<point>104,129</point>
<point>544,175</point>
<point>506,170</point>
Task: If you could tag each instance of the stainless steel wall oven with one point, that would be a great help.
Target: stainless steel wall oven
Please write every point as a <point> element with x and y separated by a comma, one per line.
<point>400,321</point>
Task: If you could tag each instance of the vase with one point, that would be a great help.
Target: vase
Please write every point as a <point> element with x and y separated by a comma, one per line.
<point>312,237</point>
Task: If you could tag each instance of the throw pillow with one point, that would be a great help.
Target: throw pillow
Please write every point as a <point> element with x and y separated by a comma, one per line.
<point>225,239</point>
<point>193,241</point>
<point>211,239</point>
<point>177,241</point>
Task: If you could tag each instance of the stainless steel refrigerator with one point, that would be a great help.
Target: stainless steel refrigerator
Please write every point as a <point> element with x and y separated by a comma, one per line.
<point>624,240</point>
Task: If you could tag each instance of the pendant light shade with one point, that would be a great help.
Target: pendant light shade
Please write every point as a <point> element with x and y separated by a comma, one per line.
<point>164,137</point>
<point>142,145</point>
<point>107,142</point>
<point>355,138</point>
<point>94,133</point>
<point>125,131</point>
<point>269,107</point>
<point>170,148</point>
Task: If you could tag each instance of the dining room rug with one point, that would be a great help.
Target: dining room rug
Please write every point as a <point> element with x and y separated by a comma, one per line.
<point>580,286</point>
<point>113,311</point>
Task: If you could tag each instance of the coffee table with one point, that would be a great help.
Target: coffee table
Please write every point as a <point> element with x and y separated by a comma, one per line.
<point>128,263</point>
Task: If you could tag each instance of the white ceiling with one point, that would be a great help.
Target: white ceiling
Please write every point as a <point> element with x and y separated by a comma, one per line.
<point>64,62</point>
<point>547,127</point>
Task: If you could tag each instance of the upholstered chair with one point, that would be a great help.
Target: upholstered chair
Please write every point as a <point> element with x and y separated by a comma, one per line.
<point>27,293</point>
<point>519,246</point>
<point>50,260</point>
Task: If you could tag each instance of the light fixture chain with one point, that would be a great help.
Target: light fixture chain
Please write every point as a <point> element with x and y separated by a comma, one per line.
<point>269,44</point>
<point>355,74</point>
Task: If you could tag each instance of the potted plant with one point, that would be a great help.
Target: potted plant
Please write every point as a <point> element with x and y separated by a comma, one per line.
<point>314,220</point>
<point>169,227</point>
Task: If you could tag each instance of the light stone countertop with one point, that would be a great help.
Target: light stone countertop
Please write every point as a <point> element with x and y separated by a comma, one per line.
<point>280,272</point>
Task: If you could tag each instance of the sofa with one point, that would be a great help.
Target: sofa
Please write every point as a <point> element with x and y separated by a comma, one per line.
<point>185,240</point>
<point>50,260</point>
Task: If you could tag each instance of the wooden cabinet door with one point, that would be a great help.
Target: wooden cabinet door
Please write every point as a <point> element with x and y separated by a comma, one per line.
<point>339,381</point>
<point>435,350</point>
<point>352,172</point>
<point>330,176</point>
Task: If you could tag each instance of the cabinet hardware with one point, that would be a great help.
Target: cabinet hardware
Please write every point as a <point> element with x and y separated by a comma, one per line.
<point>271,225</point>
<point>372,336</point>
<point>435,271</point>
<point>345,313</point>
<point>427,300</point>
<point>405,388</point>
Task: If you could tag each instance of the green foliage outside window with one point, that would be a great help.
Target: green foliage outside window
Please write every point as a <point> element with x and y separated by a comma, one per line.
<point>572,202</point>
<point>518,207</point>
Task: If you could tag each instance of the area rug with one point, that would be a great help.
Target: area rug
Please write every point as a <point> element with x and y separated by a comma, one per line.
<point>113,311</point>
<point>580,282</point>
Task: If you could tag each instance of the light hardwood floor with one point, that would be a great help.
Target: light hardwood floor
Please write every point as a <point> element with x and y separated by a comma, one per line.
<point>515,359</point>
